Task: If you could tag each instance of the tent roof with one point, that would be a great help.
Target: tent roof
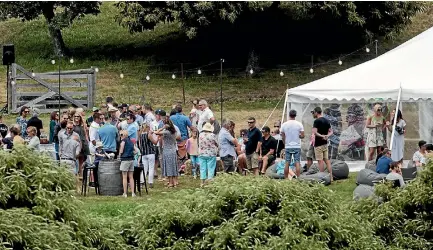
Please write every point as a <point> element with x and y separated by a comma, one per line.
<point>410,66</point>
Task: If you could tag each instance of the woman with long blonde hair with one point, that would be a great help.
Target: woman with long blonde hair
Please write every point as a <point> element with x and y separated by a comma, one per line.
<point>80,130</point>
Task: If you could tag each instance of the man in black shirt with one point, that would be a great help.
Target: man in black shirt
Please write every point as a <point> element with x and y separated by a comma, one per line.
<point>322,130</point>
<point>268,148</point>
<point>36,122</point>
<point>253,142</point>
<point>3,128</point>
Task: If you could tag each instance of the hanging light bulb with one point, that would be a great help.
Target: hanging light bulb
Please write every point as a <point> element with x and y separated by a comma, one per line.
<point>251,71</point>
<point>340,62</point>
<point>367,50</point>
<point>71,60</point>
<point>311,70</point>
<point>281,73</point>
<point>147,77</point>
<point>96,70</point>
<point>13,82</point>
<point>199,72</point>
<point>173,76</point>
<point>33,73</point>
<point>121,75</point>
<point>53,61</point>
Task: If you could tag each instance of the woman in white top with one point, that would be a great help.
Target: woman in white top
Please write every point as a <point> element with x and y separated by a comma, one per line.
<point>34,140</point>
<point>395,173</point>
<point>398,142</point>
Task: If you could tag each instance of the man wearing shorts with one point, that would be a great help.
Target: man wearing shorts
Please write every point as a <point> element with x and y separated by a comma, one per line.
<point>268,149</point>
<point>292,132</point>
<point>252,146</point>
<point>322,131</point>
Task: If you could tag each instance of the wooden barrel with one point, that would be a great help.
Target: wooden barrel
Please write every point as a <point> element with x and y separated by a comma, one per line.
<point>110,178</point>
<point>49,150</point>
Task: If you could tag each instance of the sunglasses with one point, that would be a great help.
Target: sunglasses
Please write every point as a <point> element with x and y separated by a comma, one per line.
<point>26,111</point>
<point>122,135</point>
<point>251,122</point>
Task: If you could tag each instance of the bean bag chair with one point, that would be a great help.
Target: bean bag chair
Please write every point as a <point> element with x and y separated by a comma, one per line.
<point>368,177</point>
<point>271,172</point>
<point>371,165</point>
<point>321,177</point>
<point>340,169</point>
<point>363,191</point>
<point>409,173</point>
<point>314,169</point>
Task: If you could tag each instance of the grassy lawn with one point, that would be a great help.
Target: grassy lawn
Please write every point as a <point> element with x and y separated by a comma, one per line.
<point>118,207</point>
<point>100,41</point>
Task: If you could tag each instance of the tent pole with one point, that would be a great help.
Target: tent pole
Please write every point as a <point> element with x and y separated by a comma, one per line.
<point>397,107</point>
<point>282,117</point>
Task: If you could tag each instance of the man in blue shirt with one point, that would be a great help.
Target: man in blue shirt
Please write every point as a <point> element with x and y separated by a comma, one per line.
<point>182,122</point>
<point>132,126</point>
<point>109,137</point>
<point>383,163</point>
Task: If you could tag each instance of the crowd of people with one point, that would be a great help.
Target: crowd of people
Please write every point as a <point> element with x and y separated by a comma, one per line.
<point>139,136</point>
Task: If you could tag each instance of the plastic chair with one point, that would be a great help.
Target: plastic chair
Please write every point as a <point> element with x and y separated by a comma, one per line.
<point>137,173</point>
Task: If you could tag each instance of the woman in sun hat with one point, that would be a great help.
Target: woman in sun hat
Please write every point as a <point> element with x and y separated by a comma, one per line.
<point>375,126</point>
<point>208,149</point>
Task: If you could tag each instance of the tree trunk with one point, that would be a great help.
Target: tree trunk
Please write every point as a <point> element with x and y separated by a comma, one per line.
<point>55,32</point>
<point>57,40</point>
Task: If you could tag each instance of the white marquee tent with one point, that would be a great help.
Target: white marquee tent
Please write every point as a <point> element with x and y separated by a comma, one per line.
<point>404,74</point>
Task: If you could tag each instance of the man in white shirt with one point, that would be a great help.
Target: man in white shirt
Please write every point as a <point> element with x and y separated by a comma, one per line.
<point>205,116</point>
<point>94,132</point>
<point>292,132</point>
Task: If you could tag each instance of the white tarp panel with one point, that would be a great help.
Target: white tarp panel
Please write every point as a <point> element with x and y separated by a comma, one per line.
<point>409,65</point>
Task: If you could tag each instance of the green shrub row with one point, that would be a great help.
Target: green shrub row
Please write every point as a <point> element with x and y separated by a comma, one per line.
<point>38,210</point>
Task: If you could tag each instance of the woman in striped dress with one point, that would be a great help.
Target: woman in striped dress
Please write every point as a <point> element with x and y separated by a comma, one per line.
<point>146,144</point>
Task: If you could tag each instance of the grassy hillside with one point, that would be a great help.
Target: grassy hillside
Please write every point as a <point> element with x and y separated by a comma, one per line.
<point>99,41</point>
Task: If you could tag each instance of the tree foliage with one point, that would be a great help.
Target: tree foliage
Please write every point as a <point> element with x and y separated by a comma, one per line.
<point>272,29</point>
<point>58,14</point>
<point>378,18</point>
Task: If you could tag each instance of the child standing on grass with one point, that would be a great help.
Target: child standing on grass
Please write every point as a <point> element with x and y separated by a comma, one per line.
<point>192,149</point>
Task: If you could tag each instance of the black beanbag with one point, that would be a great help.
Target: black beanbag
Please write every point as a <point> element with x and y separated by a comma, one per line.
<point>340,169</point>
<point>363,191</point>
<point>271,172</point>
<point>369,177</point>
<point>320,177</point>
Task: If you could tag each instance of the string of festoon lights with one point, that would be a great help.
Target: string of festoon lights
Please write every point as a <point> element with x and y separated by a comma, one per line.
<point>199,71</point>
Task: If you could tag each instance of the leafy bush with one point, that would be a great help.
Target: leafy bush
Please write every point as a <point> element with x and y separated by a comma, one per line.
<point>38,209</point>
<point>405,217</point>
<point>237,212</point>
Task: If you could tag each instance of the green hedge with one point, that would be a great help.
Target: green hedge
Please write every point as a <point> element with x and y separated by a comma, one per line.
<point>38,209</point>
<point>239,212</point>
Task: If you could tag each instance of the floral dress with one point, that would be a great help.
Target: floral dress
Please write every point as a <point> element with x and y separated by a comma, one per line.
<point>375,135</point>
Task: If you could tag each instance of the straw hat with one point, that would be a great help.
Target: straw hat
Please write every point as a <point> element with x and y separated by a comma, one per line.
<point>112,109</point>
<point>208,127</point>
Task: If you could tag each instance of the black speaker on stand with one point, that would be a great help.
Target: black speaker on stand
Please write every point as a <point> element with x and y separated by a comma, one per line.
<point>8,59</point>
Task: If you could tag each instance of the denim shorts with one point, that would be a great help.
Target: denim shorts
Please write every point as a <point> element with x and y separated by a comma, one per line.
<point>296,152</point>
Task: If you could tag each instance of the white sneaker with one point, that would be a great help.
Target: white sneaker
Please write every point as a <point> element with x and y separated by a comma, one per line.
<point>125,195</point>
<point>133,195</point>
